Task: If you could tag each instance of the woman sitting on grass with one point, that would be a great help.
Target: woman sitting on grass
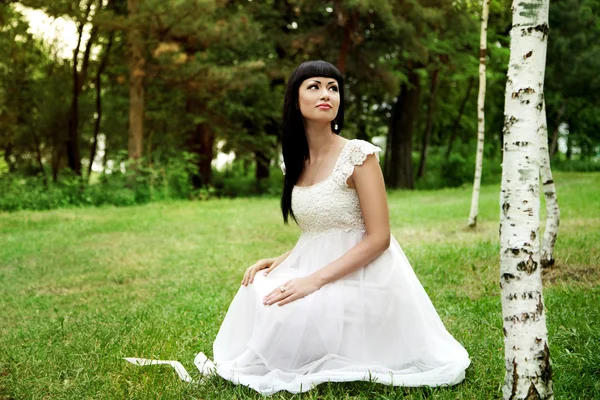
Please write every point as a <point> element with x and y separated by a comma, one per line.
<point>344,304</point>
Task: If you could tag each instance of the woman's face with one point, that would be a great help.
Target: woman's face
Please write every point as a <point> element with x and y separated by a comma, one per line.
<point>319,99</point>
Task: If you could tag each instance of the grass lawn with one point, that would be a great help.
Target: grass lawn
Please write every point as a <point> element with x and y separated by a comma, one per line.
<point>82,288</point>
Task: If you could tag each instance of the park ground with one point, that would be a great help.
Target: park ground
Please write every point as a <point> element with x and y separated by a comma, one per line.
<point>81,288</point>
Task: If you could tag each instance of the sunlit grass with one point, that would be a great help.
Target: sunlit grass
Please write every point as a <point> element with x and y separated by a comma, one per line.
<point>82,288</point>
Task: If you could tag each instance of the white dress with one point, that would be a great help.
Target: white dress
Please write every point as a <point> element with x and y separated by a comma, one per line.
<point>374,324</point>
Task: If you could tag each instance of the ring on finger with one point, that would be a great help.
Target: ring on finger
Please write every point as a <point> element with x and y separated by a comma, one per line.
<point>282,289</point>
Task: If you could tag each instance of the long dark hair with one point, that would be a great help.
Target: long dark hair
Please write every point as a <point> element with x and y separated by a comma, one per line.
<point>294,142</point>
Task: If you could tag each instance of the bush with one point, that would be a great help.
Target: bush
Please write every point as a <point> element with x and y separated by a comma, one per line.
<point>458,169</point>
<point>167,181</point>
<point>163,182</point>
<point>590,165</point>
<point>238,180</point>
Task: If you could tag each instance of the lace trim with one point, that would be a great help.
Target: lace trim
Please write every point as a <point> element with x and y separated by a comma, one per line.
<point>356,153</point>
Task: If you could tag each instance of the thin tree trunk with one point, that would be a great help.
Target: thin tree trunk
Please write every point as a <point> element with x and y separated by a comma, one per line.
<point>56,159</point>
<point>38,153</point>
<point>205,149</point>
<point>569,153</point>
<point>552,210</point>
<point>527,357</point>
<point>262,168</point>
<point>136,85</point>
<point>480,117</point>
<point>72,145</point>
<point>387,165</point>
<point>85,63</point>
<point>429,122</point>
<point>454,131</point>
<point>404,115</point>
<point>98,121</point>
<point>201,141</point>
<point>559,117</point>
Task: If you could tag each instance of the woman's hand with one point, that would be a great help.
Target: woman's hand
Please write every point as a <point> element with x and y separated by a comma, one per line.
<point>253,269</point>
<point>292,290</point>
<point>268,264</point>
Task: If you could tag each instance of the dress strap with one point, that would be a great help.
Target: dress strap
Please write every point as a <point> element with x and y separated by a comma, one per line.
<point>354,153</point>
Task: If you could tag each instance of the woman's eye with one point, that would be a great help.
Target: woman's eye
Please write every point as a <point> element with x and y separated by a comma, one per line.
<point>334,88</point>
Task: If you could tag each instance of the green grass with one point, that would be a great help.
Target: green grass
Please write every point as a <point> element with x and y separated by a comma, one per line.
<point>82,288</point>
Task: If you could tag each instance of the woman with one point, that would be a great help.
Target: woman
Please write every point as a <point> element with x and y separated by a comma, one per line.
<point>344,304</point>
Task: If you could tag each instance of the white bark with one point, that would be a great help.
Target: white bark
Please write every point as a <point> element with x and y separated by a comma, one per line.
<point>552,210</point>
<point>527,357</point>
<point>480,115</point>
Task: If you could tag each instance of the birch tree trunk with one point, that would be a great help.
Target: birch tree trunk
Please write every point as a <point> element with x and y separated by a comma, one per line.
<point>480,116</point>
<point>552,210</point>
<point>527,357</point>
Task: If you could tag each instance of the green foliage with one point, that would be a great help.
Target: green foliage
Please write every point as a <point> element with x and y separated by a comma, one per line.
<point>458,169</point>
<point>581,165</point>
<point>157,183</point>
<point>3,165</point>
<point>239,180</point>
<point>30,193</point>
<point>215,74</point>
<point>161,182</point>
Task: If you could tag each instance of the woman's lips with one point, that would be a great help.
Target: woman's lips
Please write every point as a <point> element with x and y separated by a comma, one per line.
<point>324,107</point>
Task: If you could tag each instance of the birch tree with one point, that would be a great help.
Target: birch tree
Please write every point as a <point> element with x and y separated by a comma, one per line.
<point>552,210</point>
<point>480,115</point>
<point>527,356</point>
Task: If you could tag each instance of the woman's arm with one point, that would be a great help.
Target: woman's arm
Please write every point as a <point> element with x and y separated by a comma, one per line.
<point>368,181</point>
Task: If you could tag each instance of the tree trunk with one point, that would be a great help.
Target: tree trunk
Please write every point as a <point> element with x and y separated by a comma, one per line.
<point>429,123</point>
<point>454,131</point>
<point>136,85</point>
<point>98,121</point>
<point>72,144</point>
<point>404,114</point>
<point>203,147</point>
<point>480,117</point>
<point>38,156</point>
<point>56,160</point>
<point>569,153</point>
<point>552,210</point>
<point>349,28</point>
<point>262,168</point>
<point>527,357</point>
<point>200,142</point>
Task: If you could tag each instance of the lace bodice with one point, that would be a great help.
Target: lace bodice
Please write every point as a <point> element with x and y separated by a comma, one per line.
<point>331,203</point>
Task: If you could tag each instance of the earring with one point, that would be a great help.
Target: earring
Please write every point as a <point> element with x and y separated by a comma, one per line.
<point>335,125</point>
